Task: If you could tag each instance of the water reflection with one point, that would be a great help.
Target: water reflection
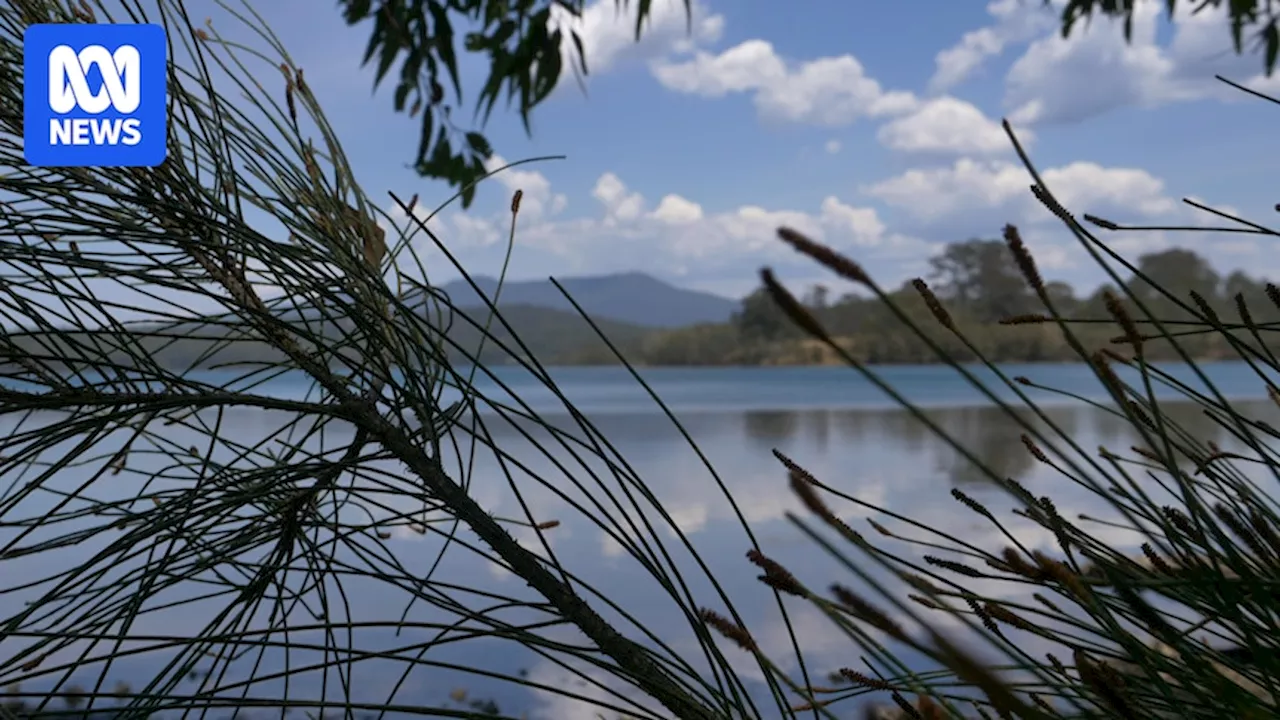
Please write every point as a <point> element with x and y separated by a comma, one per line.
<point>990,434</point>
<point>881,457</point>
<point>779,425</point>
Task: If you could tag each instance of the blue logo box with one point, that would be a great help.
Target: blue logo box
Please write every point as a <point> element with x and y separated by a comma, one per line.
<point>94,95</point>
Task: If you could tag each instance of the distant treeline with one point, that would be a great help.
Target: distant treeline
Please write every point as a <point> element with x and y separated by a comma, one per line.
<point>977,281</point>
<point>980,286</point>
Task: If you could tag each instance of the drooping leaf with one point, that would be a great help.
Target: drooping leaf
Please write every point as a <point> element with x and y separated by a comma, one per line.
<point>516,38</point>
<point>580,52</point>
<point>479,144</point>
<point>1271,38</point>
<point>641,13</point>
<point>445,45</point>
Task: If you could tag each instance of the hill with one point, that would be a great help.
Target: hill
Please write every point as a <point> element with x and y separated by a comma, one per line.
<point>552,336</point>
<point>633,298</point>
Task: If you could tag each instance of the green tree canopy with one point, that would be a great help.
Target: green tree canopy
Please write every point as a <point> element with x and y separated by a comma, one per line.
<point>521,40</point>
<point>982,276</point>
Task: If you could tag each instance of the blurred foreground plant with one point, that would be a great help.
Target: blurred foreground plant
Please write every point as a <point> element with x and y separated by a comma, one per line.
<point>157,511</point>
<point>1167,608</point>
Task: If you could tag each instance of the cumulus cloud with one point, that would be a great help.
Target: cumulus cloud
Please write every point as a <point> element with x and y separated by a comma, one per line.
<point>608,32</point>
<point>1015,22</point>
<point>620,204</point>
<point>947,125</point>
<point>676,210</point>
<point>618,229</point>
<point>537,201</point>
<point>1057,80</point>
<point>1060,80</point>
<point>976,198</point>
<point>940,195</point>
<point>832,147</point>
<point>830,91</point>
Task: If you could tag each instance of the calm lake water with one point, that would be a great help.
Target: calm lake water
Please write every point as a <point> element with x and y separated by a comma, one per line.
<point>843,429</point>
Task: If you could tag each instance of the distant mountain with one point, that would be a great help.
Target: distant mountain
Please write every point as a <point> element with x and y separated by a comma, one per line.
<point>628,308</point>
<point>633,298</point>
<point>554,337</point>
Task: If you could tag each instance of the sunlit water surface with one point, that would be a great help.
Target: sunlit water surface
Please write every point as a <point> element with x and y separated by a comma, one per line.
<point>845,431</point>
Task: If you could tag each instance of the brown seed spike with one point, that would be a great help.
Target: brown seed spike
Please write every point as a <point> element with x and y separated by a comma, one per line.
<point>373,238</point>
<point>969,502</point>
<point>1242,307</point>
<point>792,307</point>
<point>859,608</point>
<point>1273,294</point>
<point>1023,258</point>
<point>1034,449</point>
<point>858,678</point>
<point>931,301</point>
<point>33,664</point>
<point>1104,224</point>
<point>728,628</point>
<point>841,265</point>
<point>1052,204</point>
<point>1122,317</point>
<point>775,575</point>
<point>515,201</point>
<point>982,614</point>
<point>1031,319</point>
<point>1210,314</point>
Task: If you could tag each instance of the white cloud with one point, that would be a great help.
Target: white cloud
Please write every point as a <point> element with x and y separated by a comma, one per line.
<point>975,198</point>
<point>831,91</point>
<point>678,211</point>
<point>947,125</point>
<point>627,232</point>
<point>832,147</point>
<point>619,202</point>
<point>538,205</point>
<point>1016,22</point>
<point>1060,80</point>
<point>1057,80</point>
<point>537,201</point>
<point>608,32</point>
<point>862,224</point>
<point>939,195</point>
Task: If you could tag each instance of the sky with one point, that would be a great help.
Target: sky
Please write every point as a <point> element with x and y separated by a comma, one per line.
<point>874,127</point>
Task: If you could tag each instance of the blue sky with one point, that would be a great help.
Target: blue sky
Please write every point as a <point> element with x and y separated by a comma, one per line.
<point>874,126</point>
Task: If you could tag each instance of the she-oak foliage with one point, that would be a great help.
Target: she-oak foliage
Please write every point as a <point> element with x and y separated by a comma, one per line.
<point>122,525</point>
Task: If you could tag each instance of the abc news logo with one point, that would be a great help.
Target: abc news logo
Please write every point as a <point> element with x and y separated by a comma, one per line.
<point>94,95</point>
<point>69,89</point>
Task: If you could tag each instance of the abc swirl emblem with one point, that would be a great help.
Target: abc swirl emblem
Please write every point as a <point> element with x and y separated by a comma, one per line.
<point>94,95</point>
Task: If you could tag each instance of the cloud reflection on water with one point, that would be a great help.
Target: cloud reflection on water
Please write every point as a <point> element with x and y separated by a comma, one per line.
<point>881,457</point>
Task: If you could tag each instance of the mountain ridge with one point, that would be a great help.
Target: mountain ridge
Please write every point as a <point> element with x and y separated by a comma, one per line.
<point>634,298</point>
